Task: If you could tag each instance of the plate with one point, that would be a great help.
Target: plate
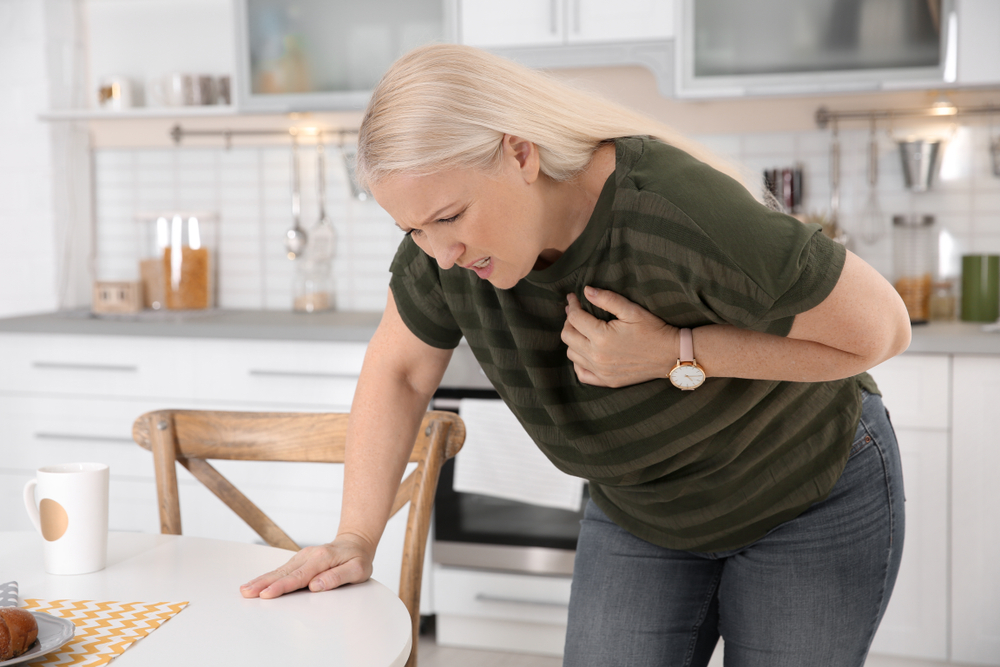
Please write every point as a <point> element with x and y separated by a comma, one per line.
<point>53,632</point>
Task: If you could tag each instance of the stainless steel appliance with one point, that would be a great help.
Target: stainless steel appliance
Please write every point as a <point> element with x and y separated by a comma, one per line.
<point>472,530</point>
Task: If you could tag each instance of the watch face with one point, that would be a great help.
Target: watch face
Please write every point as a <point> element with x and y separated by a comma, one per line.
<point>687,377</point>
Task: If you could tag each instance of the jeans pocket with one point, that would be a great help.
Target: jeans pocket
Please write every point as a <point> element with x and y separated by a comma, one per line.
<point>862,441</point>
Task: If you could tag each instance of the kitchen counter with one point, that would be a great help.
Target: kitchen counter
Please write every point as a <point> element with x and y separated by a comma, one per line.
<point>245,324</point>
<point>933,338</point>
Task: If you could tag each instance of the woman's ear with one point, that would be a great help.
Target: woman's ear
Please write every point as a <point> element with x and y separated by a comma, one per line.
<point>525,155</point>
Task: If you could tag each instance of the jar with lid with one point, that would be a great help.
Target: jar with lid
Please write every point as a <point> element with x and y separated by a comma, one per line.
<point>178,270</point>
<point>314,289</point>
<point>915,257</point>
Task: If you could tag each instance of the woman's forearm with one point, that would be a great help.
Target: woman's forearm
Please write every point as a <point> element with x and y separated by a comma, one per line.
<point>726,351</point>
<point>399,376</point>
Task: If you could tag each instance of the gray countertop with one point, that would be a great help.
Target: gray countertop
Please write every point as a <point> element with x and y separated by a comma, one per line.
<point>936,337</point>
<point>246,324</point>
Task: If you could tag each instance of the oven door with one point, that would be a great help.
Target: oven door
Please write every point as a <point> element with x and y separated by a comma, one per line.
<point>472,530</point>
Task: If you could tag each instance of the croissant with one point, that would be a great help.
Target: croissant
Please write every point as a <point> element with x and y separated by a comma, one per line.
<point>18,631</point>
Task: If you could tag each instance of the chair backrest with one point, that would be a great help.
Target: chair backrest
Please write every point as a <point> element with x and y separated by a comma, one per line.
<point>189,437</point>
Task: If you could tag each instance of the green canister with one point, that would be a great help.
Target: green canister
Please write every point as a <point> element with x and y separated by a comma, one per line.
<point>980,288</point>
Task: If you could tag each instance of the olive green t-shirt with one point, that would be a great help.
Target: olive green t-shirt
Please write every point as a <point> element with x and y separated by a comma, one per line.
<point>704,470</point>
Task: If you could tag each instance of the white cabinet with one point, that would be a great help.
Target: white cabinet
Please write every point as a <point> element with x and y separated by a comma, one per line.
<point>74,398</point>
<point>916,391</point>
<point>520,23</point>
<point>501,611</point>
<point>978,47</point>
<point>975,536</point>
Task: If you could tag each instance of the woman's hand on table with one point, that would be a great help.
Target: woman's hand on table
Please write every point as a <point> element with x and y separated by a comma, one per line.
<point>635,347</point>
<point>346,560</point>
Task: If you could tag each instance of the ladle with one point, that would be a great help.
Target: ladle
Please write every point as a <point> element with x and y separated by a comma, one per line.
<point>872,220</point>
<point>295,238</point>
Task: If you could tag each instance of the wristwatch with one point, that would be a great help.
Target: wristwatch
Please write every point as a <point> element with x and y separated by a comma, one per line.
<point>687,374</point>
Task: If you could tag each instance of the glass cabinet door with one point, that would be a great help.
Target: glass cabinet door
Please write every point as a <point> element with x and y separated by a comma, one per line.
<point>325,54</point>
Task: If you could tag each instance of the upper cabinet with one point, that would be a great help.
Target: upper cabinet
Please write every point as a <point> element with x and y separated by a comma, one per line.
<point>574,33</point>
<point>533,23</point>
<point>326,54</point>
<point>760,47</point>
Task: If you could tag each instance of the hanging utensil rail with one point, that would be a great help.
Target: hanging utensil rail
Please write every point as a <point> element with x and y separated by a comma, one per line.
<point>178,133</point>
<point>825,116</point>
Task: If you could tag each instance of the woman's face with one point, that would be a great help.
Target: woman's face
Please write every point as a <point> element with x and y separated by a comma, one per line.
<point>491,224</point>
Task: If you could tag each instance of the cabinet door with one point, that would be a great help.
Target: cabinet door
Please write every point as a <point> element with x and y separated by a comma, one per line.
<point>978,46</point>
<point>916,621</point>
<point>488,23</point>
<point>975,536</point>
<point>915,389</point>
<point>622,21</point>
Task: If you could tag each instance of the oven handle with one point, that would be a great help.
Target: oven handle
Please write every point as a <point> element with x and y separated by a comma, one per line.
<point>483,597</point>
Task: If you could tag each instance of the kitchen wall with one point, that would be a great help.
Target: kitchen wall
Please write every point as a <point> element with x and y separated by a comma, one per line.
<point>249,188</point>
<point>45,206</point>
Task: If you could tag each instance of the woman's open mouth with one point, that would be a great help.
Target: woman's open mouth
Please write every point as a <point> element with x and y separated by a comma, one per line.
<point>483,267</point>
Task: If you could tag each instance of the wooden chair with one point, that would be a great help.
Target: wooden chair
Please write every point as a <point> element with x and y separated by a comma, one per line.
<point>189,437</point>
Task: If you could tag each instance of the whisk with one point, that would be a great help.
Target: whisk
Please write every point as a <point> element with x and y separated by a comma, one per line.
<point>872,220</point>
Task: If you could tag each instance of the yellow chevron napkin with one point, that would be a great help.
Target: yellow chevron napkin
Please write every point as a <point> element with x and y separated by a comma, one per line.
<point>103,629</point>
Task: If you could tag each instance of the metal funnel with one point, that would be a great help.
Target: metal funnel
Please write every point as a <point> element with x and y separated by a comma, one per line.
<point>920,163</point>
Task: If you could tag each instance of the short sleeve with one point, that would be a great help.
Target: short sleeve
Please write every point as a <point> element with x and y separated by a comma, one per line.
<point>741,262</point>
<point>420,299</point>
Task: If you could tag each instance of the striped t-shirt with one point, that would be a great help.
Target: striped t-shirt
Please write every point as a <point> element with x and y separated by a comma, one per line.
<point>704,470</point>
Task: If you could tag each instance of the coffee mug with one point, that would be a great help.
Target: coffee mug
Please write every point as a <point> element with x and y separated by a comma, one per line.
<point>72,516</point>
<point>980,288</point>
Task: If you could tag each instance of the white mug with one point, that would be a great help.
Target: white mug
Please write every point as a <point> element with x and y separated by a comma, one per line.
<point>72,516</point>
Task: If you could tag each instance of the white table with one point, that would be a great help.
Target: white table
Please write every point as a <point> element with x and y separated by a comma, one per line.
<point>363,624</point>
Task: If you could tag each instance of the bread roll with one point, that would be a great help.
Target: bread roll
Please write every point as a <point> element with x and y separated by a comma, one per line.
<point>18,631</point>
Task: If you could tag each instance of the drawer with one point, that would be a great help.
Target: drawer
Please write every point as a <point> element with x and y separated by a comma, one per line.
<point>44,430</point>
<point>503,596</point>
<point>278,373</point>
<point>96,365</point>
<point>916,388</point>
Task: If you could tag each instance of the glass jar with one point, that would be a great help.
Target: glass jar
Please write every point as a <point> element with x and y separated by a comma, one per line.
<point>915,256</point>
<point>178,270</point>
<point>314,289</point>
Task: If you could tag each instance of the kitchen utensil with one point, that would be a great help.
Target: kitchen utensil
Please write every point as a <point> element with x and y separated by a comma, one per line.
<point>295,238</point>
<point>834,175</point>
<point>350,155</point>
<point>872,220</point>
<point>313,287</point>
<point>322,235</point>
<point>920,162</point>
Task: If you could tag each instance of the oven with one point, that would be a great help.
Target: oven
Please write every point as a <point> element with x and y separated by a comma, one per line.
<point>480,531</point>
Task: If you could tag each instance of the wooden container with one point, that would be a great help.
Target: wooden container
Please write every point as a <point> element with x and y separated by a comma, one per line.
<point>117,297</point>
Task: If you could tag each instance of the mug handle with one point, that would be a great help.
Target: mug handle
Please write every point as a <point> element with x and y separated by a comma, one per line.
<point>29,504</point>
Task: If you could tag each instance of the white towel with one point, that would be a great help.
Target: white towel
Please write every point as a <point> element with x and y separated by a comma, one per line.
<point>500,459</point>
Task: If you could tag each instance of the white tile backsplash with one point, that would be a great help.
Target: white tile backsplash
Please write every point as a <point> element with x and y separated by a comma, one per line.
<point>250,191</point>
<point>250,188</point>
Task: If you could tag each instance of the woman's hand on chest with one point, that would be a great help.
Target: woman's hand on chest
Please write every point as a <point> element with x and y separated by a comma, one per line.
<point>635,347</point>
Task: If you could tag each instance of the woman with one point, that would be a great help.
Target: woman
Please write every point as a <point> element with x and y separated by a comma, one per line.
<point>600,275</point>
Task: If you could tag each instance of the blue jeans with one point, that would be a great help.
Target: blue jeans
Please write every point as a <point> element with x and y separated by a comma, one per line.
<point>810,593</point>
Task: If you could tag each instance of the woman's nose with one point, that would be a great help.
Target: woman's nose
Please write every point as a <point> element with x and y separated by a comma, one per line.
<point>447,252</point>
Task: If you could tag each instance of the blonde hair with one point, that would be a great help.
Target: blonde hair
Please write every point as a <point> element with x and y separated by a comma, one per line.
<point>447,106</point>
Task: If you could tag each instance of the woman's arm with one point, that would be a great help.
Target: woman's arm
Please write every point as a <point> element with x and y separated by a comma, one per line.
<point>398,378</point>
<point>861,323</point>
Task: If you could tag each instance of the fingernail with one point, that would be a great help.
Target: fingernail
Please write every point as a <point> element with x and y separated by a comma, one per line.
<point>316,586</point>
<point>589,291</point>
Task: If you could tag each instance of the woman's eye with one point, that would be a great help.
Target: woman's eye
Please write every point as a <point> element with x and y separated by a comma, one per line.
<point>451,219</point>
<point>412,232</point>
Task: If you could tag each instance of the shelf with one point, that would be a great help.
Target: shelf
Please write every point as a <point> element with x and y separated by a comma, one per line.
<point>140,113</point>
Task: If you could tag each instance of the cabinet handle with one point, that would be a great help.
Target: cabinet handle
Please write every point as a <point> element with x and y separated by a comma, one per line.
<point>302,374</point>
<point>44,435</point>
<point>554,17</point>
<point>483,597</point>
<point>58,365</point>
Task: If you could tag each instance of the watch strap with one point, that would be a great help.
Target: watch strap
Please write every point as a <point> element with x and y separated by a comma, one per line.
<point>687,345</point>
